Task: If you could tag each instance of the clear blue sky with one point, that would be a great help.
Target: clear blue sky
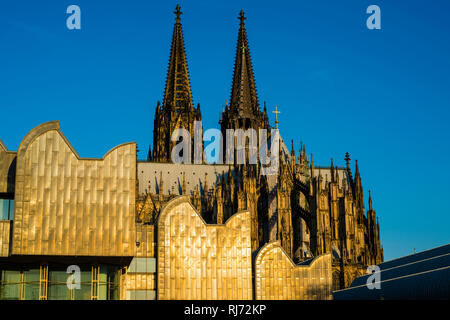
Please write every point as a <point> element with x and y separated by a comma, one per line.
<point>382,95</point>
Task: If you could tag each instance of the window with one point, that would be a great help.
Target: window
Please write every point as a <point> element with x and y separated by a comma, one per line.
<point>31,283</point>
<point>84,293</point>
<point>58,289</point>
<point>6,209</point>
<point>10,285</point>
<point>57,286</point>
<point>50,282</point>
<point>108,283</point>
<point>21,284</point>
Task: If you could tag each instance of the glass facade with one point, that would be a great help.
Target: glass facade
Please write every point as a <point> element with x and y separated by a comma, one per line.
<point>97,282</point>
<point>58,288</point>
<point>57,285</point>
<point>108,283</point>
<point>84,293</point>
<point>6,209</point>
<point>31,283</point>
<point>10,285</point>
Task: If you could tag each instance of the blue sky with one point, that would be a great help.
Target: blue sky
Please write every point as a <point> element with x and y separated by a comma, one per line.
<point>382,95</point>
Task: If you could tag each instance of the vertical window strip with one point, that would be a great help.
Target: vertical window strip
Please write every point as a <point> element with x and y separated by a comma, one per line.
<point>123,283</point>
<point>94,282</point>
<point>21,290</point>
<point>43,281</point>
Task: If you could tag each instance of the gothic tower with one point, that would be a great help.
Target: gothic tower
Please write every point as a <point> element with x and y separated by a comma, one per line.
<point>243,111</point>
<point>177,110</point>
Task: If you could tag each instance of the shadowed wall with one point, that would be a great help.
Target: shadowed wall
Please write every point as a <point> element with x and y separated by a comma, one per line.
<point>7,169</point>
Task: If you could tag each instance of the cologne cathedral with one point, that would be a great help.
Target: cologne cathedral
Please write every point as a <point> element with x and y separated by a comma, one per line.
<point>310,209</point>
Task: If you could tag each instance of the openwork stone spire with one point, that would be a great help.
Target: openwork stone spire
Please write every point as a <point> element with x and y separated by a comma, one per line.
<point>177,110</point>
<point>177,94</point>
<point>244,100</point>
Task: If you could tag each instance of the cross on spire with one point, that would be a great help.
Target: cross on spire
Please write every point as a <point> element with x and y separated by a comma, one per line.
<point>347,159</point>
<point>178,13</point>
<point>242,17</point>
<point>276,116</point>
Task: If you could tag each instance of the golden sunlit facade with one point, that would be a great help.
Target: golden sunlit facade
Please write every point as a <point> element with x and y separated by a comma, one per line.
<point>200,261</point>
<point>278,278</point>
<point>61,213</point>
<point>71,213</point>
<point>4,237</point>
<point>67,205</point>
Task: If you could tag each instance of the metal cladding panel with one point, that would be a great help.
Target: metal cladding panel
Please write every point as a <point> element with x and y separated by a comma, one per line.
<point>5,227</point>
<point>7,169</point>
<point>140,281</point>
<point>200,261</point>
<point>67,205</point>
<point>141,295</point>
<point>145,238</point>
<point>278,278</point>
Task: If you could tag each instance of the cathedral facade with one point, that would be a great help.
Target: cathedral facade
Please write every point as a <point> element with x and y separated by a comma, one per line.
<point>311,210</point>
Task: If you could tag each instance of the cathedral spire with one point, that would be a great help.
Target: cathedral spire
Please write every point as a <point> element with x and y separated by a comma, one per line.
<point>183,187</point>
<point>265,117</point>
<point>244,100</point>
<point>356,169</point>
<point>177,110</point>
<point>370,202</point>
<point>205,185</point>
<point>332,171</point>
<point>161,183</point>
<point>177,95</point>
<point>347,160</point>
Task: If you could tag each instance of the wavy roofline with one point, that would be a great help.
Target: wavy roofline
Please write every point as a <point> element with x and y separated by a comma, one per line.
<point>185,199</point>
<point>277,244</point>
<point>36,132</point>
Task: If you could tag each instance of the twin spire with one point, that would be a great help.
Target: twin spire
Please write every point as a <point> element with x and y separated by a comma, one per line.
<point>177,109</point>
<point>178,94</point>
<point>244,100</point>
